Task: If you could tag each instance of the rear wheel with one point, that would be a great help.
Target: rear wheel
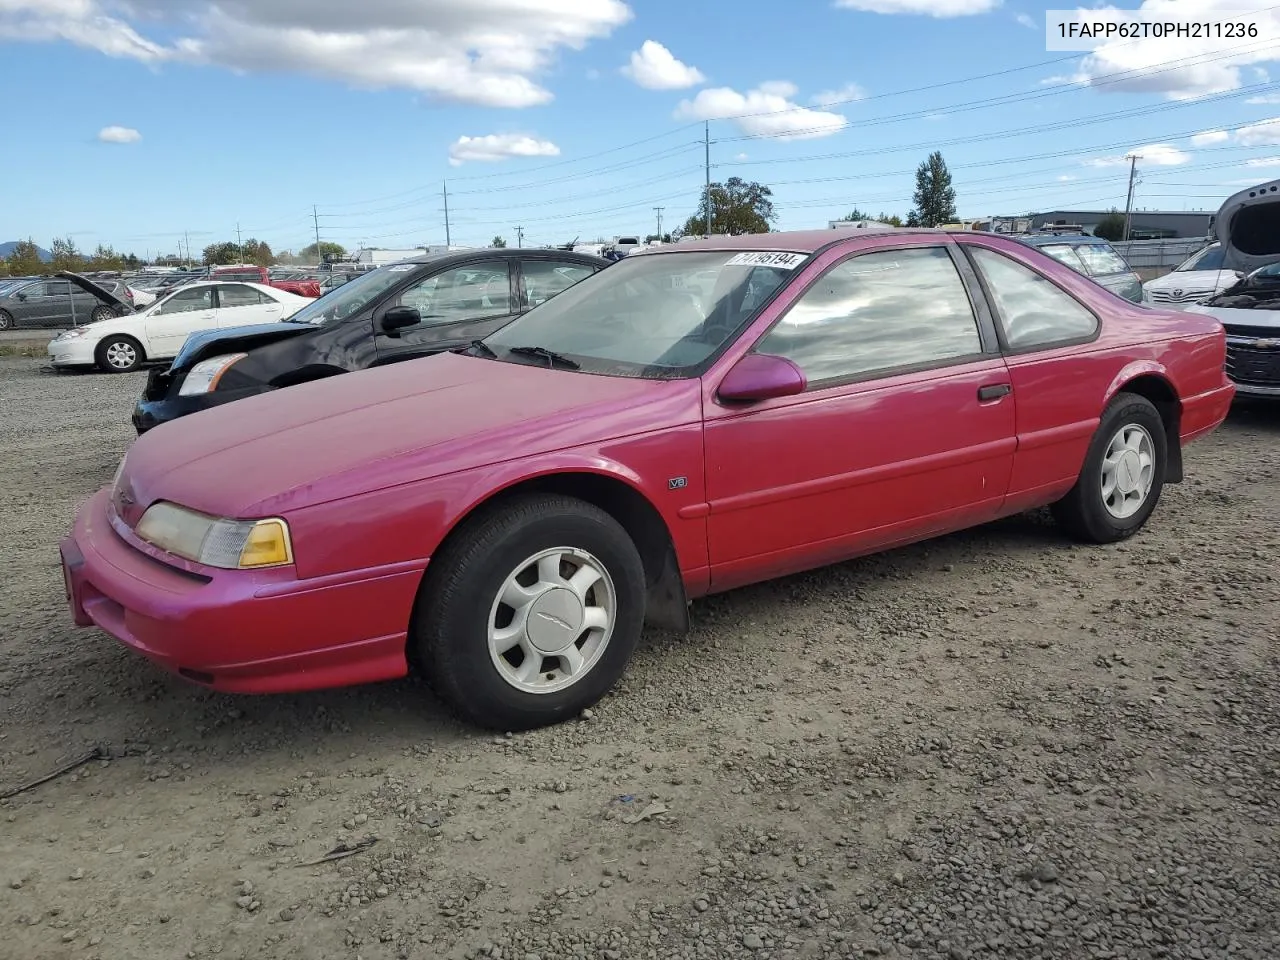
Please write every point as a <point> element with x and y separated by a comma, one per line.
<point>1123,474</point>
<point>101,313</point>
<point>530,613</point>
<point>118,354</point>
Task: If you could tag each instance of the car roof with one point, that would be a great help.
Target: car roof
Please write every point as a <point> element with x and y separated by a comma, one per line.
<point>791,241</point>
<point>466,256</point>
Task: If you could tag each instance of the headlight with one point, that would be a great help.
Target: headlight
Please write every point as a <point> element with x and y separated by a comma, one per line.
<point>214,541</point>
<point>75,333</point>
<point>204,376</point>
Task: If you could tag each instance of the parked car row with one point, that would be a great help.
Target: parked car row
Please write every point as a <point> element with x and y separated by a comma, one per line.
<point>507,514</point>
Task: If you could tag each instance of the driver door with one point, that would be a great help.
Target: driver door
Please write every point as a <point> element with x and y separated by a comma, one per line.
<point>187,311</point>
<point>457,306</point>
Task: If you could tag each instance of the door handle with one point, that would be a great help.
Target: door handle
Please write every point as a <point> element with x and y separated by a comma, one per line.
<point>994,391</point>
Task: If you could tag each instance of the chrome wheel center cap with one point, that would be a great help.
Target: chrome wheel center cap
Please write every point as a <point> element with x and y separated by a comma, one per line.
<point>555,620</point>
<point>1128,472</point>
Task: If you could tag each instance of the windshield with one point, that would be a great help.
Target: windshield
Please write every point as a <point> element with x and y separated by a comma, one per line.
<point>1064,254</point>
<point>353,296</point>
<point>1210,258</point>
<point>658,316</point>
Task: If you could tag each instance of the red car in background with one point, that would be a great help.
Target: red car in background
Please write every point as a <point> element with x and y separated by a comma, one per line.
<point>303,288</point>
<point>695,418</point>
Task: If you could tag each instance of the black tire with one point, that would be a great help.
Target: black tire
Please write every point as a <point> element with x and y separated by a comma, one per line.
<point>6,320</point>
<point>449,634</point>
<point>101,313</point>
<point>105,356</point>
<point>1083,512</point>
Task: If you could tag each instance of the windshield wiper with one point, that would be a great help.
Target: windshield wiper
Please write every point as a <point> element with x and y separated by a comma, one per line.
<point>481,348</point>
<point>550,356</point>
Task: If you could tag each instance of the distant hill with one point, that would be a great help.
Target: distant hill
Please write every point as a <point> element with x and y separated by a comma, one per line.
<point>7,248</point>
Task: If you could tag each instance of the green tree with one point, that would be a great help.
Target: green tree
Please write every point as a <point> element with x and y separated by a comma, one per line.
<point>737,206</point>
<point>66,256</point>
<point>1110,227</point>
<point>499,242</point>
<point>105,258</point>
<point>258,252</point>
<point>132,262</point>
<point>855,215</point>
<point>24,259</point>
<point>893,221</point>
<point>327,249</point>
<point>935,197</point>
<point>228,251</point>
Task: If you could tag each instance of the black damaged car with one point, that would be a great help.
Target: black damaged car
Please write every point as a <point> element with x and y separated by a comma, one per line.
<point>424,305</point>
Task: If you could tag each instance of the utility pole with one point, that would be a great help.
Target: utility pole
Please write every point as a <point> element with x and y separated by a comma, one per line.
<point>315,216</point>
<point>659,209</point>
<point>187,235</point>
<point>707,141</point>
<point>239,244</point>
<point>1133,159</point>
<point>519,236</point>
<point>447,240</point>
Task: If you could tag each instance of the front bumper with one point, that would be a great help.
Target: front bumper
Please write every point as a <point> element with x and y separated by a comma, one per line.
<point>239,631</point>
<point>151,413</point>
<point>72,353</point>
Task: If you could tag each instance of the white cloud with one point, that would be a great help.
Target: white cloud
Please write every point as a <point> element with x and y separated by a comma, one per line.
<point>485,52</point>
<point>1265,98</point>
<point>740,156</point>
<point>1026,20</point>
<point>1216,65</point>
<point>119,135</point>
<point>1067,178</point>
<point>655,68</point>
<point>931,8</point>
<point>1263,133</point>
<point>499,146</point>
<point>1263,162</point>
<point>1209,136</point>
<point>766,111</point>
<point>1151,155</point>
<point>846,94</point>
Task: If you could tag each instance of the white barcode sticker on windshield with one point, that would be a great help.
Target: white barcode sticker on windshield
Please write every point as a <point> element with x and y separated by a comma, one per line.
<point>785,261</point>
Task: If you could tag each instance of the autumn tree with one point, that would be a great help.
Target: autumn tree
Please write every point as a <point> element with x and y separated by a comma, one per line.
<point>66,255</point>
<point>737,206</point>
<point>935,197</point>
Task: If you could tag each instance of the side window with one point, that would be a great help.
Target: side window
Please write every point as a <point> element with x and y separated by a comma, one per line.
<point>185,301</point>
<point>34,290</point>
<point>878,312</point>
<point>1064,254</point>
<point>238,295</point>
<point>543,279</point>
<point>1034,311</point>
<point>57,288</point>
<point>473,292</point>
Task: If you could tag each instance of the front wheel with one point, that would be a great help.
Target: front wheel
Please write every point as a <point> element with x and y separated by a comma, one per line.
<point>530,613</point>
<point>118,354</point>
<point>1123,474</point>
<point>6,320</point>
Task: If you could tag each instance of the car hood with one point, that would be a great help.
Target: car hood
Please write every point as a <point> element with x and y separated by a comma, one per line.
<point>1192,280</point>
<point>1248,225</point>
<point>106,296</point>
<point>391,425</point>
<point>1233,317</point>
<point>210,343</point>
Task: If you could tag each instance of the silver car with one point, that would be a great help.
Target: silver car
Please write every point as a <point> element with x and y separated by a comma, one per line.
<point>55,302</point>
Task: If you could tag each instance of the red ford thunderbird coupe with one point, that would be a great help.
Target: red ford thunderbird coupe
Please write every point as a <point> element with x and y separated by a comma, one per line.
<point>694,418</point>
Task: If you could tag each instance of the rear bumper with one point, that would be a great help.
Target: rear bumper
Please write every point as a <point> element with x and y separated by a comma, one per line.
<point>1204,412</point>
<point>239,631</point>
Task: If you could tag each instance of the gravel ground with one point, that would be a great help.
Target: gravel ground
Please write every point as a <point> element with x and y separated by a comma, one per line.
<point>993,745</point>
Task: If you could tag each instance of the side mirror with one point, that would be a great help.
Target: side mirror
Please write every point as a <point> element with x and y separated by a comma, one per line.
<point>762,376</point>
<point>397,318</point>
<point>21,296</point>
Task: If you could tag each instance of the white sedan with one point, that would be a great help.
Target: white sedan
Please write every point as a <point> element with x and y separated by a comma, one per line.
<point>158,331</point>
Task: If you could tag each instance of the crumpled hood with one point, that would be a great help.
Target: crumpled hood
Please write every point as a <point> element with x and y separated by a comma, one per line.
<point>209,343</point>
<point>1248,225</point>
<point>376,428</point>
<point>1233,317</point>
